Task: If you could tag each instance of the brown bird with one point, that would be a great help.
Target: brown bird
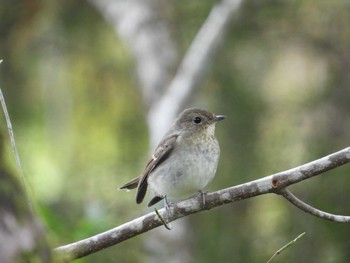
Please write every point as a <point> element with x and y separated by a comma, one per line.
<point>185,160</point>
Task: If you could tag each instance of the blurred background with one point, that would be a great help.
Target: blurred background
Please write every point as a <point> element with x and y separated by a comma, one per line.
<point>77,93</point>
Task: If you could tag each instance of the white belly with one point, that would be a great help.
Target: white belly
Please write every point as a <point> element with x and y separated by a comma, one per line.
<point>186,171</point>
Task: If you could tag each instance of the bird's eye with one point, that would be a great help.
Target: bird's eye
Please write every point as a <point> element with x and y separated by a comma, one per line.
<point>197,120</point>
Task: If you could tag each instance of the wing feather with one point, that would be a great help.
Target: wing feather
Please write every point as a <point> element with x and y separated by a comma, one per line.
<point>160,154</point>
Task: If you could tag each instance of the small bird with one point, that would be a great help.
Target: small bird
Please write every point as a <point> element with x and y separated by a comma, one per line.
<point>185,160</point>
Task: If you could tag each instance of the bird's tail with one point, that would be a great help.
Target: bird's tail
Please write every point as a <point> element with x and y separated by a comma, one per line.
<point>132,184</point>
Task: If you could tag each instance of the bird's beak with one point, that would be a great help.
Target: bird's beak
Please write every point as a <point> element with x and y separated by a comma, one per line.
<point>219,118</point>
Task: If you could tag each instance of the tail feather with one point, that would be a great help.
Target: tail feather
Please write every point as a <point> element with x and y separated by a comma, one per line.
<point>132,184</point>
<point>155,200</point>
<point>141,192</point>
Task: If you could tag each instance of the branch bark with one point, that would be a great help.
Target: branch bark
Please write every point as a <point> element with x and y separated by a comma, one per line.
<point>275,183</point>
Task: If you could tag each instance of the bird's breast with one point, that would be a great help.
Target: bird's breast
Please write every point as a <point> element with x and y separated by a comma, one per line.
<point>189,168</point>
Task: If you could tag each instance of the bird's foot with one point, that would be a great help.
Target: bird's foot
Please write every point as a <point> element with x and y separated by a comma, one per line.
<point>167,204</point>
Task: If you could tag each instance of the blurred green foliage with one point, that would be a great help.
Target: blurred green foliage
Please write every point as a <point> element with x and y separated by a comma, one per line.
<point>281,76</point>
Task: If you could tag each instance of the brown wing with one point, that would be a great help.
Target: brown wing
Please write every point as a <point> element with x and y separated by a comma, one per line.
<point>160,154</point>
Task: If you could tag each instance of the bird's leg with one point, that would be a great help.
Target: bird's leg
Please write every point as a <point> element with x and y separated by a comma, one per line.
<point>166,203</point>
<point>202,193</point>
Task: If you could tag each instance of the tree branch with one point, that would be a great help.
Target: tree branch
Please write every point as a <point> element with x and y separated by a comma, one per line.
<point>311,210</point>
<point>270,184</point>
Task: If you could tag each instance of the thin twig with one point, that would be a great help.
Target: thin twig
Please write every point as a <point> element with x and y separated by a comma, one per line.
<point>285,247</point>
<point>13,144</point>
<point>311,210</point>
<point>167,226</point>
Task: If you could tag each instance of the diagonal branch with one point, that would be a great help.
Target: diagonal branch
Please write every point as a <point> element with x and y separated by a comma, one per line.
<point>311,210</point>
<point>192,67</point>
<point>285,247</point>
<point>270,184</point>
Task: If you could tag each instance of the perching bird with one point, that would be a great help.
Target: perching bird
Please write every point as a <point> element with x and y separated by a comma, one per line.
<point>185,160</point>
